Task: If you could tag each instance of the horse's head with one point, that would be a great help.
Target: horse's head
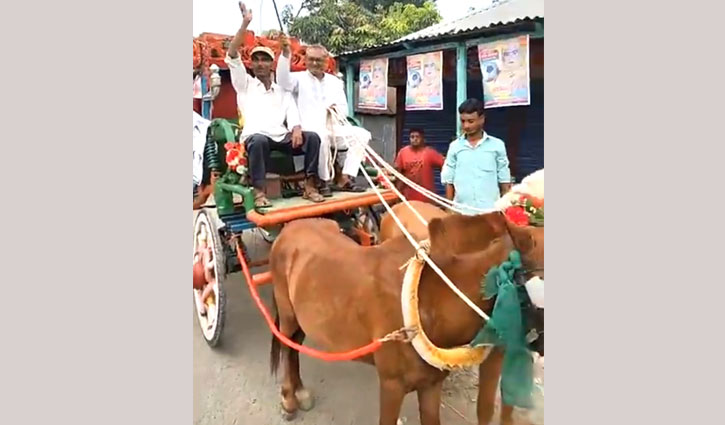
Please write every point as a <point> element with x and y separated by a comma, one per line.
<point>462,234</point>
<point>459,234</point>
<point>476,243</point>
<point>529,241</point>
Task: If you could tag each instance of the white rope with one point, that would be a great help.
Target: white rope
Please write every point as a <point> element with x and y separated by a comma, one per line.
<point>370,154</point>
<point>396,191</point>
<point>331,137</point>
<point>418,248</point>
<point>440,200</point>
<point>429,194</point>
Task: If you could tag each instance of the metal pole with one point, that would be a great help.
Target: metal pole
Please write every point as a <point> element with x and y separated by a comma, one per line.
<point>461,80</point>
<point>205,103</point>
<point>281,28</point>
<point>350,88</point>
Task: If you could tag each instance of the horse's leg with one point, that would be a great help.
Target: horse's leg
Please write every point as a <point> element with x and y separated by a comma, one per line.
<point>488,375</point>
<point>429,402</point>
<point>507,414</point>
<point>304,397</point>
<point>288,326</point>
<point>392,393</point>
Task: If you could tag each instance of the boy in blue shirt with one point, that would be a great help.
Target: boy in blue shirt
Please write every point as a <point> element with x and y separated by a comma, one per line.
<point>476,172</point>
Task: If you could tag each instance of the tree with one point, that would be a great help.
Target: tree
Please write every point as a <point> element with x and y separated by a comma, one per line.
<point>342,25</point>
<point>372,4</point>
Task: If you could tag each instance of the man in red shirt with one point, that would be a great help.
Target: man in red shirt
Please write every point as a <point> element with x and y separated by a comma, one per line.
<point>416,162</point>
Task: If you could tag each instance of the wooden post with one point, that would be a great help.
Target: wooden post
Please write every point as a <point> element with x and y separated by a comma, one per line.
<point>461,79</point>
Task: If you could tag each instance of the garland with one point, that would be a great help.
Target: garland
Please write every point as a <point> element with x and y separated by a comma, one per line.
<point>506,329</point>
<point>526,211</point>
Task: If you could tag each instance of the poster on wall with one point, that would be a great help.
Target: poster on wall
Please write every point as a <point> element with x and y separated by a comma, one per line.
<point>505,72</point>
<point>424,91</point>
<point>373,84</point>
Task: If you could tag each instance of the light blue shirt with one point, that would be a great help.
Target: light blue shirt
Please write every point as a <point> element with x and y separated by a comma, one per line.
<point>476,172</point>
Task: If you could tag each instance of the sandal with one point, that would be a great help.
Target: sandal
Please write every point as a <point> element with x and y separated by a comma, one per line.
<point>261,201</point>
<point>325,191</point>
<point>351,187</point>
<point>313,195</point>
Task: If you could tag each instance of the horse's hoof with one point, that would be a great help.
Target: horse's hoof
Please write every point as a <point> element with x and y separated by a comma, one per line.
<point>306,399</point>
<point>288,416</point>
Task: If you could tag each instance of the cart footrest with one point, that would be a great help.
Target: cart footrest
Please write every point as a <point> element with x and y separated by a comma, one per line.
<point>237,221</point>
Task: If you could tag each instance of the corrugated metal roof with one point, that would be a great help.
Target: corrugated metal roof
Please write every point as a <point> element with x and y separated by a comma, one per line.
<point>500,13</point>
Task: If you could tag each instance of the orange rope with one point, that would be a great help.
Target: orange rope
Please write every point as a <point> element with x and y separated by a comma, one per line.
<point>330,357</point>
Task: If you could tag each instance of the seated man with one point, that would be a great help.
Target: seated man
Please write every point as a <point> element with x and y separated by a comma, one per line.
<point>317,94</point>
<point>265,108</point>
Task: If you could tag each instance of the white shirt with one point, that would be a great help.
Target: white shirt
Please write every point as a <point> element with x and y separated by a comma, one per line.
<point>313,95</point>
<point>200,126</point>
<point>264,111</point>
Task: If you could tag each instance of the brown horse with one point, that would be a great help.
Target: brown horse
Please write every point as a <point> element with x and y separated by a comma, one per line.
<point>490,369</point>
<point>358,299</point>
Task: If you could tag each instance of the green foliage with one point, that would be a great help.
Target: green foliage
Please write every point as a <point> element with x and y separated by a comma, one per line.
<point>342,25</point>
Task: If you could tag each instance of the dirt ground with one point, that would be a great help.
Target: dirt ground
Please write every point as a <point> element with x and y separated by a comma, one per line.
<point>233,386</point>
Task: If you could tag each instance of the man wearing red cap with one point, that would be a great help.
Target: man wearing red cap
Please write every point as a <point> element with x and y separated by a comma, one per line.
<point>271,117</point>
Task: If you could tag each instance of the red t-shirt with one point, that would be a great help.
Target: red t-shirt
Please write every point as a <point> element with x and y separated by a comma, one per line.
<point>418,167</point>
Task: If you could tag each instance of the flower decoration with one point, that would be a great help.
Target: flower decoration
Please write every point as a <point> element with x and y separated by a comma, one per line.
<point>236,158</point>
<point>382,181</point>
<point>526,211</point>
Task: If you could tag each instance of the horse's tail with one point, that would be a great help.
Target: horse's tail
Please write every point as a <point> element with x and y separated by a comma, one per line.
<point>274,352</point>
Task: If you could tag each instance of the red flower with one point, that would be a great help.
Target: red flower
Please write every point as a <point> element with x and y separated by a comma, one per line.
<point>536,202</point>
<point>232,155</point>
<point>229,146</point>
<point>517,215</point>
<point>381,181</point>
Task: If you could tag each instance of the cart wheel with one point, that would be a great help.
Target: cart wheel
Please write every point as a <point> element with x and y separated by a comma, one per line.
<point>368,221</point>
<point>212,322</point>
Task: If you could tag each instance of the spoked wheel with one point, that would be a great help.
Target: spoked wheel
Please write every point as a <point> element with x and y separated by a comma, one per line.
<point>367,220</point>
<point>209,295</point>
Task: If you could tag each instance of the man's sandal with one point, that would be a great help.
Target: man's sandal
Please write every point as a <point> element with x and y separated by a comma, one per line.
<point>325,191</point>
<point>313,196</point>
<point>351,187</point>
<point>261,201</point>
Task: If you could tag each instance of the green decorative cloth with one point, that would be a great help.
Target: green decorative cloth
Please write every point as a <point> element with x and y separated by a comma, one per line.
<point>506,330</point>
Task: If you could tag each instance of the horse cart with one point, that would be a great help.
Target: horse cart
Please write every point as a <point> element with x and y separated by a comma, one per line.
<point>229,212</point>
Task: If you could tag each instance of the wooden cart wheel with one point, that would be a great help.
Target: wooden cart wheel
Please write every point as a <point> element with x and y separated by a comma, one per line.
<point>212,320</point>
<point>368,221</point>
